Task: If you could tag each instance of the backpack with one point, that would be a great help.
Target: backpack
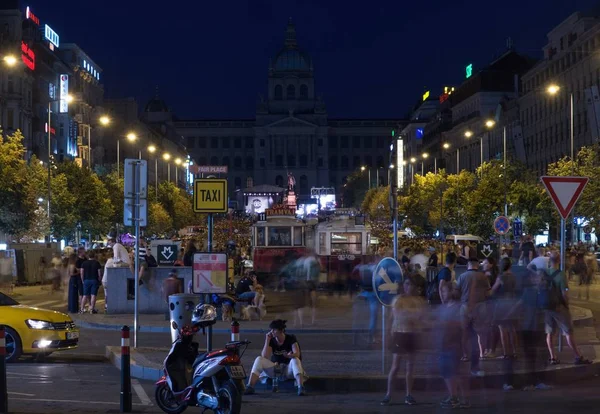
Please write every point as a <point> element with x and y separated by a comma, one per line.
<point>549,295</point>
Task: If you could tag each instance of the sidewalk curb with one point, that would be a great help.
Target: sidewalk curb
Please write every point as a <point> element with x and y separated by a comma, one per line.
<point>587,320</point>
<point>346,384</point>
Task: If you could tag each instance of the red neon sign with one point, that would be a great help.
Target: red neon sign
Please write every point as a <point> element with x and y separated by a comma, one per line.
<point>27,56</point>
<point>29,14</point>
<point>52,130</point>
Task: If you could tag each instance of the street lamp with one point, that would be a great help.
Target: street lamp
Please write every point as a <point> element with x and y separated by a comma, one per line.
<point>425,156</point>
<point>152,150</point>
<point>10,60</point>
<point>104,120</point>
<point>490,123</point>
<point>177,163</point>
<point>468,134</point>
<point>131,137</point>
<point>167,157</point>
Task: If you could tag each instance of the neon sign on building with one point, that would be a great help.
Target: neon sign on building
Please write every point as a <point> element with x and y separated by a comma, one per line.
<point>29,15</point>
<point>51,36</point>
<point>27,56</point>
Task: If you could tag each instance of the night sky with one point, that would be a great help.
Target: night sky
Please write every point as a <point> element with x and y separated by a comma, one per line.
<point>371,59</point>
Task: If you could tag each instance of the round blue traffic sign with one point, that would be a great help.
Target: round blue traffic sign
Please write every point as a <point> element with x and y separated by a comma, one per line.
<point>386,279</point>
<point>501,225</point>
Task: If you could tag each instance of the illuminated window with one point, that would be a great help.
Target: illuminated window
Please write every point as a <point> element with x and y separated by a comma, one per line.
<point>260,236</point>
<point>346,243</point>
<point>291,92</point>
<point>298,236</point>
<point>280,236</point>
<point>278,92</point>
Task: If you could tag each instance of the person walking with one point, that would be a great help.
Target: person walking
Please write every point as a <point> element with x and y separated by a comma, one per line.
<point>91,274</point>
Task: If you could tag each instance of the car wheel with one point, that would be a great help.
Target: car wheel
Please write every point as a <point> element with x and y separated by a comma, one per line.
<point>13,345</point>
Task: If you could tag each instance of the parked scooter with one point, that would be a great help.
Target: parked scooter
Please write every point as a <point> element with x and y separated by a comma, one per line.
<point>211,380</point>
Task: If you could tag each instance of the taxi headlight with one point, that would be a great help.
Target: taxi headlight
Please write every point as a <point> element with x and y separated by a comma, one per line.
<point>37,324</point>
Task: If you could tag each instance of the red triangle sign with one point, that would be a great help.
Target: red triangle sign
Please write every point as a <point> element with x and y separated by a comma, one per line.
<point>564,191</point>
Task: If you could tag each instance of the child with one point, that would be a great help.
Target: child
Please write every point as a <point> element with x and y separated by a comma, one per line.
<point>450,337</point>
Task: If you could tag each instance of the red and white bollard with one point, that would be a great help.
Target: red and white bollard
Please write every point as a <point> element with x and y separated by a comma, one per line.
<point>235,331</point>
<point>126,402</point>
<point>3,384</point>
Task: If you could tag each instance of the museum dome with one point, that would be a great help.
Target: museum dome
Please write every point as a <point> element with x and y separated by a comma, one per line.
<point>290,57</point>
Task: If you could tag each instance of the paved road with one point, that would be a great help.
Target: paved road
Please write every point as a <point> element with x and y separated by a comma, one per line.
<point>84,387</point>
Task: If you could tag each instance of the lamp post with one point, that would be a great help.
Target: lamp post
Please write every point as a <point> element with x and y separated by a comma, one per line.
<point>412,170</point>
<point>167,157</point>
<point>425,156</point>
<point>177,163</point>
<point>131,137</point>
<point>152,150</point>
<point>363,168</point>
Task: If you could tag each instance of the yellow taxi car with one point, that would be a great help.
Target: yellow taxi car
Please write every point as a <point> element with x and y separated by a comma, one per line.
<point>35,331</point>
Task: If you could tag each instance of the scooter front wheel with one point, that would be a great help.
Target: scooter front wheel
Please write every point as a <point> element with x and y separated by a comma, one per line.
<point>167,402</point>
<point>230,399</point>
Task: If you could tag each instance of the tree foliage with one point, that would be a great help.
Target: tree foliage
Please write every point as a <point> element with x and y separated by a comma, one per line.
<point>160,223</point>
<point>177,203</point>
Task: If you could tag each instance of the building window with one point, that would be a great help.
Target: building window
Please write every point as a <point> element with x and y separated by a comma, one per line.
<point>11,84</point>
<point>249,142</point>
<point>225,161</point>
<point>380,162</point>
<point>320,162</point>
<point>191,142</point>
<point>291,92</point>
<point>333,162</point>
<point>346,243</point>
<point>262,143</point>
<point>249,163</point>
<point>10,118</point>
<point>279,181</point>
<point>356,162</point>
<point>291,160</point>
<point>262,163</point>
<point>278,93</point>
<point>303,92</point>
<point>303,160</point>
<point>238,183</point>
<point>214,142</point>
<point>333,142</point>
<point>320,142</point>
<point>249,182</point>
<point>368,161</point>
<point>225,141</point>
<point>344,162</point>
<point>237,162</point>
<point>344,142</point>
<point>214,161</point>
<point>237,142</point>
<point>279,160</point>
<point>202,161</point>
<point>201,142</point>
<point>355,142</point>
<point>367,142</point>
<point>303,184</point>
<point>380,141</point>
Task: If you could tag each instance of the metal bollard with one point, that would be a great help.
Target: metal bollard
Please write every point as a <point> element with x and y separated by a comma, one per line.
<point>235,330</point>
<point>3,384</point>
<point>126,403</point>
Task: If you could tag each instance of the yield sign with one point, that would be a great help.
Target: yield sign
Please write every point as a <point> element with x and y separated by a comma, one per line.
<point>565,191</point>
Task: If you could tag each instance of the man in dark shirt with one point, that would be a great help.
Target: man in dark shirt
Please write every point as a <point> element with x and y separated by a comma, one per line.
<point>244,288</point>
<point>81,257</point>
<point>90,275</point>
<point>433,258</point>
<point>280,350</point>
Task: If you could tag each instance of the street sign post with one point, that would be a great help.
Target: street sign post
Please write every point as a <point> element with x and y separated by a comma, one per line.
<point>501,225</point>
<point>210,273</point>
<point>135,192</point>
<point>485,250</point>
<point>517,229</point>
<point>166,254</point>
<point>564,191</point>
<point>387,277</point>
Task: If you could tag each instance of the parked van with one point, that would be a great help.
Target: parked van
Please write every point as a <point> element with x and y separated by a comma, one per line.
<point>456,238</point>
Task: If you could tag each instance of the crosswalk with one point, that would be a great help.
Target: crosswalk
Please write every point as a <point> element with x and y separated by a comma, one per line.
<point>55,304</point>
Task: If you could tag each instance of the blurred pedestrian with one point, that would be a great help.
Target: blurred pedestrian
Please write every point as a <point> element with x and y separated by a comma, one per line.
<point>504,292</point>
<point>408,311</point>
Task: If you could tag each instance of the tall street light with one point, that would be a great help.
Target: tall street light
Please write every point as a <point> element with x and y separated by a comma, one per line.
<point>177,163</point>
<point>412,170</point>
<point>131,137</point>
<point>152,150</point>
<point>363,168</point>
<point>68,98</point>
<point>425,156</point>
<point>167,157</point>
<point>10,60</point>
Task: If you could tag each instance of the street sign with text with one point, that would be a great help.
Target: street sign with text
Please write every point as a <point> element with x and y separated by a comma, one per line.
<point>166,254</point>
<point>564,191</point>
<point>209,273</point>
<point>210,195</point>
<point>212,169</point>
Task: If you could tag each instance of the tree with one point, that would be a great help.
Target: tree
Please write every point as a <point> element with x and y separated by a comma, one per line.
<point>177,203</point>
<point>92,199</point>
<point>455,202</point>
<point>355,189</point>
<point>115,187</point>
<point>18,206</point>
<point>420,204</point>
<point>160,223</point>
<point>376,206</point>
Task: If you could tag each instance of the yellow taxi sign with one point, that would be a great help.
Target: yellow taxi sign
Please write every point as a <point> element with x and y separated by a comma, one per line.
<point>210,195</point>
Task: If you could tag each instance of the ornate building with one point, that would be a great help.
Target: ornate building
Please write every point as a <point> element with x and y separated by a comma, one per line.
<point>291,132</point>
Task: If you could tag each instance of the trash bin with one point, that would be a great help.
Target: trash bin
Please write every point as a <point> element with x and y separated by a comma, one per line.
<point>181,306</point>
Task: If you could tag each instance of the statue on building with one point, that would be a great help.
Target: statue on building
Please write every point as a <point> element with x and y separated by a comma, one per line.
<point>291,182</point>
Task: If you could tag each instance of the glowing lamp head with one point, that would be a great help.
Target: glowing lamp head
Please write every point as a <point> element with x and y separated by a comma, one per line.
<point>413,160</point>
<point>553,89</point>
<point>363,168</point>
<point>446,145</point>
<point>69,98</point>
<point>425,155</point>
<point>166,156</point>
<point>490,123</point>
<point>151,149</point>
<point>104,120</point>
<point>468,134</point>
<point>178,161</point>
<point>10,60</point>
<point>131,136</point>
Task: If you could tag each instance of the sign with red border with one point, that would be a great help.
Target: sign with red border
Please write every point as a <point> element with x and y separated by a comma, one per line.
<point>564,191</point>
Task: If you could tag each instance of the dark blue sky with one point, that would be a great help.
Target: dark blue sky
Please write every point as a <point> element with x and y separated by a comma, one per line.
<point>371,59</point>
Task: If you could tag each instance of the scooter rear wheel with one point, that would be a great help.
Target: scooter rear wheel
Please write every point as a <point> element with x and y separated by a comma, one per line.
<point>166,401</point>
<point>230,399</point>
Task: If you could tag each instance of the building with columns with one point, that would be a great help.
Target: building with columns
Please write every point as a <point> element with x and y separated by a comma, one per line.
<point>290,132</point>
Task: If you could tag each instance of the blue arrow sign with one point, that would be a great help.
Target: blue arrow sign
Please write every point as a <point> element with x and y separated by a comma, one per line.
<point>386,279</point>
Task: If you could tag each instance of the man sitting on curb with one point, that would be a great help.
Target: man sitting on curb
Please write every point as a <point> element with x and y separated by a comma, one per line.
<point>280,350</point>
